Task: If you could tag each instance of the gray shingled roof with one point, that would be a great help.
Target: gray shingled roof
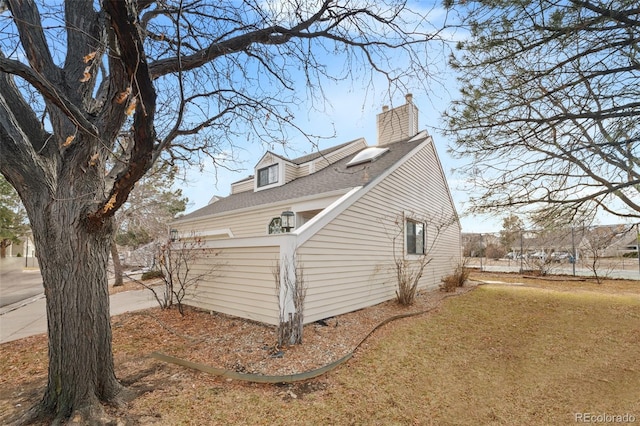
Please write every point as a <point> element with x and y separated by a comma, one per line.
<point>334,177</point>
<point>305,158</point>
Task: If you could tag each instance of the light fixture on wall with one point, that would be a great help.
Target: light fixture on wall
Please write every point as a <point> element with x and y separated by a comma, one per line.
<point>288,220</point>
<point>173,235</point>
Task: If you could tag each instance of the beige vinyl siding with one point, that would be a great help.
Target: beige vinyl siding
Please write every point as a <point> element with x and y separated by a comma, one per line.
<point>245,185</point>
<point>290,172</point>
<point>253,222</point>
<point>304,169</point>
<point>242,284</point>
<point>267,160</point>
<point>349,265</point>
<point>242,224</point>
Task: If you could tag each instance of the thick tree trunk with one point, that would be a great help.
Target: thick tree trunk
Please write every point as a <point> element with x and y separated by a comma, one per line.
<point>117,266</point>
<point>73,263</point>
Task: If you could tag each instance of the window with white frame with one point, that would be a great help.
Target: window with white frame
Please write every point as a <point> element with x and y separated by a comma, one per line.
<point>268,175</point>
<point>415,232</point>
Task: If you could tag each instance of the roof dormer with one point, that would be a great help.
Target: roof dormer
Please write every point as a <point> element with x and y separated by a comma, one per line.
<point>271,171</point>
<point>274,170</point>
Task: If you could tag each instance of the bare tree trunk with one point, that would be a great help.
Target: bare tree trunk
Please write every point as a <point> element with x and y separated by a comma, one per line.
<point>73,262</point>
<point>117,266</point>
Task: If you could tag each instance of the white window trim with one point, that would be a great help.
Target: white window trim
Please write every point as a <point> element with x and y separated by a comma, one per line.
<point>279,182</point>
<point>409,218</point>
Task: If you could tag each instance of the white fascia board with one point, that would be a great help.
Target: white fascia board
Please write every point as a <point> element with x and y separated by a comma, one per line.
<point>216,232</point>
<point>279,158</point>
<point>283,240</point>
<point>209,233</point>
<point>319,221</point>
<point>292,201</point>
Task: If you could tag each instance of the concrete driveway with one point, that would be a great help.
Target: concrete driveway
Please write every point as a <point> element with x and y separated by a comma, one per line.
<point>16,282</point>
<point>23,306</point>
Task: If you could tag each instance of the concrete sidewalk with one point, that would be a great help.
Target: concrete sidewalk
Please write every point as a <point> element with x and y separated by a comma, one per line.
<point>28,317</point>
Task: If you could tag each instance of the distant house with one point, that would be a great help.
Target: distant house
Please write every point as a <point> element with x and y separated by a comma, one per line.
<point>24,248</point>
<point>613,240</point>
<point>344,213</point>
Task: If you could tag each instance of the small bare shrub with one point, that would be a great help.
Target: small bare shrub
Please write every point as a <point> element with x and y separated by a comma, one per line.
<point>457,279</point>
<point>408,276</point>
<point>409,267</point>
<point>182,265</point>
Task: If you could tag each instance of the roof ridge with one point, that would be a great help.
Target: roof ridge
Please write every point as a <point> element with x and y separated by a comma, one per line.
<point>316,154</point>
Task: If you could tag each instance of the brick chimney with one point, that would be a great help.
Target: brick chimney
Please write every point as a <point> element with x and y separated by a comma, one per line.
<point>397,123</point>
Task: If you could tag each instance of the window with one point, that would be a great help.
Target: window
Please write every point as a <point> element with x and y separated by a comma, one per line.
<point>415,237</point>
<point>268,175</point>
<point>275,226</point>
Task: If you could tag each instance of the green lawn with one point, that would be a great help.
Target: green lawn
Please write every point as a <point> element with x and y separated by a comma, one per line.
<point>498,355</point>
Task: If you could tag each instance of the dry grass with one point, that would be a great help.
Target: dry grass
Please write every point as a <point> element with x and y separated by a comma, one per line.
<point>497,355</point>
<point>562,282</point>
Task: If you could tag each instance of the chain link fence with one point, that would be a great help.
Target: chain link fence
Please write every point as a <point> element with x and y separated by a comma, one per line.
<point>600,251</point>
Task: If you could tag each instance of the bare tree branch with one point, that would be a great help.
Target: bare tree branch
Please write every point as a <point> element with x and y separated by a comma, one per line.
<point>548,113</point>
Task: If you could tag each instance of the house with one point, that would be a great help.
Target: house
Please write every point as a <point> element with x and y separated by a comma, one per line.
<point>24,248</point>
<point>332,222</point>
<point>611,240</point>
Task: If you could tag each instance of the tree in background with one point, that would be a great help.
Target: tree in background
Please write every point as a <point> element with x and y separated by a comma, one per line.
<point>12,217</point>
<point>595,242</point>
<point>149,208</point>
<point>185,79</point>
<point>511,232</point>
<point>145,216</point>
<point>549,113</point>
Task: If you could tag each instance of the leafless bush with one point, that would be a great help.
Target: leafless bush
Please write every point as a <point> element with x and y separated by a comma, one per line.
<point>457,279</point>
<point>410,267</point>
<point>182,265</point>
<point>408,276</point>
<point>540,263</point>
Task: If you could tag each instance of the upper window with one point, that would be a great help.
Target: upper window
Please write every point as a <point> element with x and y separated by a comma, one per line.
<point>268,175</point>
<point>415,237</point>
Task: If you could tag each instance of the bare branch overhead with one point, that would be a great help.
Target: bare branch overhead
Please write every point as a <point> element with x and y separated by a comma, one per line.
<point>548,114</point>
